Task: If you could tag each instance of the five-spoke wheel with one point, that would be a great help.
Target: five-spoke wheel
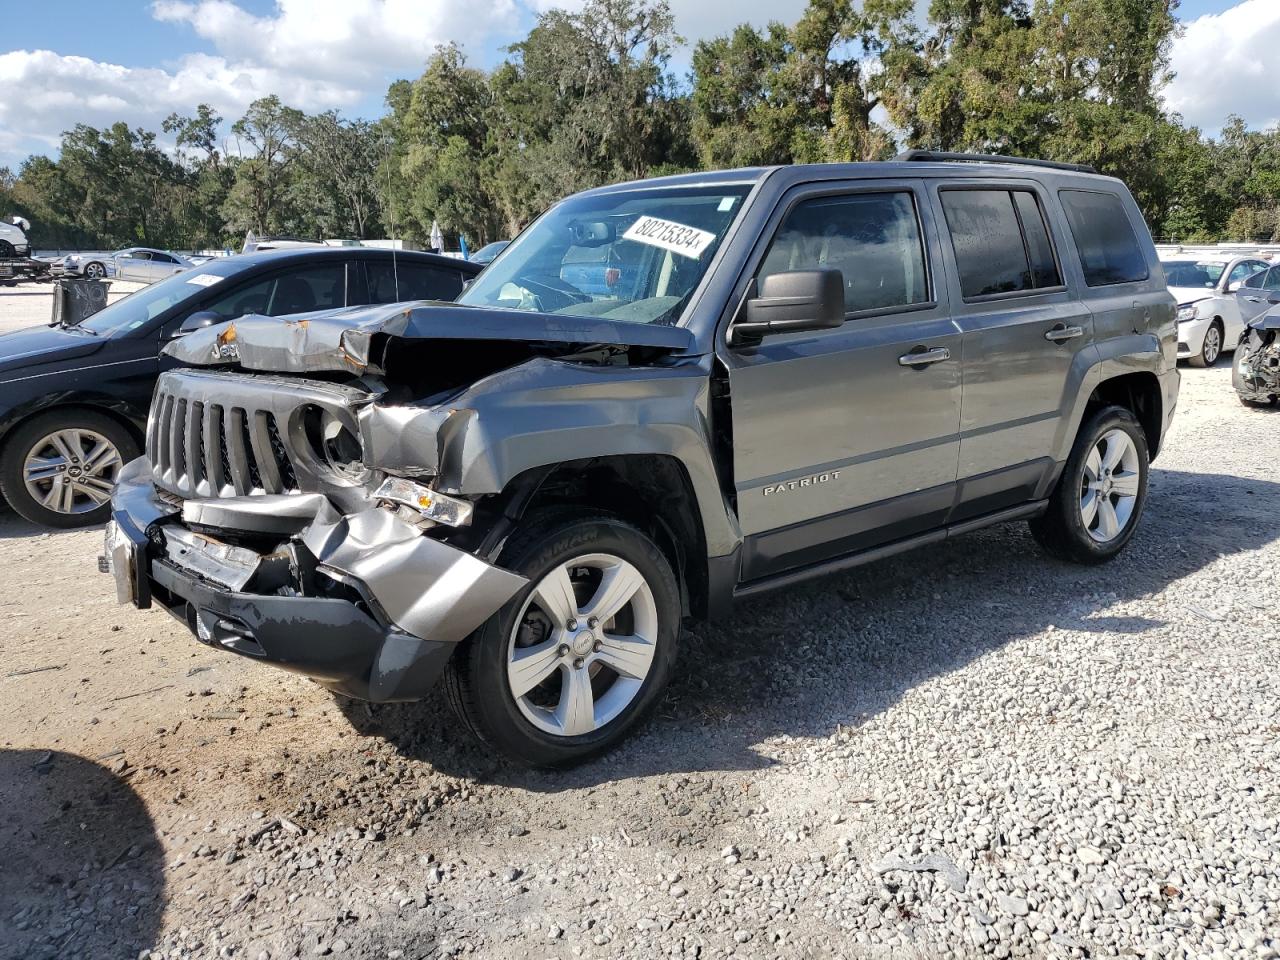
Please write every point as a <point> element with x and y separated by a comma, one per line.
<point>577,658</point>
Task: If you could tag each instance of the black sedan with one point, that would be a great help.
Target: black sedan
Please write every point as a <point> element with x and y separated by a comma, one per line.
<point>74,399</point>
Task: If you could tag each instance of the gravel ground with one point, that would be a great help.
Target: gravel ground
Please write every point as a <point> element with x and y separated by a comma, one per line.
<point>969,751</point>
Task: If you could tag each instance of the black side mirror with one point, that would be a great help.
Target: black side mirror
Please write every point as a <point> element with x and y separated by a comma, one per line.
<point>198,321</point>
<point>786,302</point>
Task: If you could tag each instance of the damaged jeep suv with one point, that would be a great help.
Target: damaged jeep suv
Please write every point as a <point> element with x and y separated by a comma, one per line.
<point>661,398</point>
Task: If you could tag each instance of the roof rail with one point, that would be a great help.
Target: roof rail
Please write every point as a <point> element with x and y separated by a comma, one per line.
<point>926,156</point>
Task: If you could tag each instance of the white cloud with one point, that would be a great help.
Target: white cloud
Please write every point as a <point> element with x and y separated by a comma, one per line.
<point>1225,63</point>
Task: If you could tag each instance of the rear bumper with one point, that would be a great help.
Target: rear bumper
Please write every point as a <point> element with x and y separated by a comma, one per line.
<point>313,610</point>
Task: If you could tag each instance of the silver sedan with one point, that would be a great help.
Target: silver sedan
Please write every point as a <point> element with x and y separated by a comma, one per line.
<point>141,264</point>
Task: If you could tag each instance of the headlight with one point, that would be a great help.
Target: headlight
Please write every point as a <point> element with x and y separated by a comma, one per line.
<point>333,444</point>
<point>1187,313</point>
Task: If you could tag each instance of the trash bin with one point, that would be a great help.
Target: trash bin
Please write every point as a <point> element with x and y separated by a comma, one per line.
<point>73,300</point>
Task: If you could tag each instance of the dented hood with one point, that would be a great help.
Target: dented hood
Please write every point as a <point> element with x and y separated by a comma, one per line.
<point>354,339</point>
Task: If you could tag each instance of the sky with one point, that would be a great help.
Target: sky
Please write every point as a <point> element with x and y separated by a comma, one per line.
<point>98,61</point>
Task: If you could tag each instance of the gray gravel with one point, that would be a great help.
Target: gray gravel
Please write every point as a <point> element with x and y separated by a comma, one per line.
<point>970,751</point>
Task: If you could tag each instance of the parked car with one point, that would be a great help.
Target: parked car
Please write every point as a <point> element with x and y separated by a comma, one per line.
<point>74,400</point>
<point>13,238</point>
<point>1209,320</point>
<point>528,491</point>
<point>1255,369</point>
<point>1258,294</point>
<point>486,253</point>
<point>137,264</point>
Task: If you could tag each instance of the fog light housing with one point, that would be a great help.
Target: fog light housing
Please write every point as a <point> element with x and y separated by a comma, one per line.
<point>427,503</point>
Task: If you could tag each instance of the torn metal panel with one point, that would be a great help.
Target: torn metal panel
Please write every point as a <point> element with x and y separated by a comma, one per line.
<point>1255,372</point>
<point>280,514</point>
<point>224,564</point>
<point>347,339</point>
<point>403,439</point>
<point>427,588</point>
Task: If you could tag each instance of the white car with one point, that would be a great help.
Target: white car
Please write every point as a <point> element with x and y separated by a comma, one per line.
<point>13,238</point>
<point>141,264</point>
<point>1204,284</point>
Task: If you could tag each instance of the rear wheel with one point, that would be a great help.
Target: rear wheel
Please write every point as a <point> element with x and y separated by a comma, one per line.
<point>1211,349</point>
<point>58,469</point>
<point>94,271</point>
<point>571,664</point>
<point>1094,510</point>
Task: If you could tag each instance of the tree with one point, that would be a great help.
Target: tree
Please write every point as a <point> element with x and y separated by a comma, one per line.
<point>256,199</point>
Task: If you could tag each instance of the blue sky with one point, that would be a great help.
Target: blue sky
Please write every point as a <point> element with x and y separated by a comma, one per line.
<point>111,59</point>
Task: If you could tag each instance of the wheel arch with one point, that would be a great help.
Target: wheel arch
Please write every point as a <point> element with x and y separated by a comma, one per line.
<point>653,492</point>
<point>117,414</point>
<point>1139,393</point>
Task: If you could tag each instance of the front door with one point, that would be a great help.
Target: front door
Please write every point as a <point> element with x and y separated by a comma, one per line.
<point>846,439</point>
<point>1258,294</point>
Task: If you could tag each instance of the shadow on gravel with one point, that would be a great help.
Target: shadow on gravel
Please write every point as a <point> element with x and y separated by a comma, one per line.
<point>844,648</point>
<point>83,871</point>
<point>14,527</point>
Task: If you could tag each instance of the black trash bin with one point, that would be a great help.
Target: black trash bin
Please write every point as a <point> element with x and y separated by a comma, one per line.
<point>73,300</point>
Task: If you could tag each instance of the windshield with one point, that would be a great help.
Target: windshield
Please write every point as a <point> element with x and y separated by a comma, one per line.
<point>634,255</point>
<point>1192,273</point>
<point>137,309</point>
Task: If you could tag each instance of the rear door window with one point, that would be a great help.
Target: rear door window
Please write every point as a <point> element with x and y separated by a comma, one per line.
<point>1000,241</point>
<point>1104,238</point>
<point>1272,282</point>
<point>400,282</point>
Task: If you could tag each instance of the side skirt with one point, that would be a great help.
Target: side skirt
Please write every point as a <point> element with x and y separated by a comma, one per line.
<point>848,561</point>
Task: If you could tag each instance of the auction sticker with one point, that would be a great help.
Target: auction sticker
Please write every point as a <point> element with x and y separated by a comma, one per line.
<point>669,235</point>
<point>203,279</point>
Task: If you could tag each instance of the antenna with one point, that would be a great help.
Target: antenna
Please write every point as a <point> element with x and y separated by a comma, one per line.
<point>395,273</point>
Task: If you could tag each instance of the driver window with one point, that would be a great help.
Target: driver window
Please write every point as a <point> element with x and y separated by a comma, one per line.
<point>873,239</point>
<point>298,291</point>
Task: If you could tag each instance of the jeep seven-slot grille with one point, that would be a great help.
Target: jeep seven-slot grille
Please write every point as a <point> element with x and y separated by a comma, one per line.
<point>200,449</point>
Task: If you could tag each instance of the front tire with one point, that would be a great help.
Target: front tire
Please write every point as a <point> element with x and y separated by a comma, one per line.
<point>1211,349</point>
<point>577,659</point>
<point>7,249</point>
<point>58,469</point>
<point>1094,510</point>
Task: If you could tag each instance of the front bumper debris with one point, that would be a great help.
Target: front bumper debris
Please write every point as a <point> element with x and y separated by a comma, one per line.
<point>363,603</point>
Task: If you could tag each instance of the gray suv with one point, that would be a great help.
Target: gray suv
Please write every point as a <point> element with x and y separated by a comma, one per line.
<point>662,398</point>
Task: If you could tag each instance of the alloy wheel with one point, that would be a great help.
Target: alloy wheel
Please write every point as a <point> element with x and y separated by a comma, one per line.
<point>583,645</point>
<point>1109,488</point>
<point>72,470</point>
<point>1212,348</point>
<point>95,271</point>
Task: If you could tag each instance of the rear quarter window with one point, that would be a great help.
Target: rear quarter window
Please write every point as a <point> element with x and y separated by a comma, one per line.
<point>1104,238</point>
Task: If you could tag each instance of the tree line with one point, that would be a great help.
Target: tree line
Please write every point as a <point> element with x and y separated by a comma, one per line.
<point>590,97</point>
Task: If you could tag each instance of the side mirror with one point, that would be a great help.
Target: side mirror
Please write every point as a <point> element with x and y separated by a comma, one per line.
<point>198,321</point>
<point>787,302</point>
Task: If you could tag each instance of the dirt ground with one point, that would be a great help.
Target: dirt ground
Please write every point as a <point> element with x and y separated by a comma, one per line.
<point>163,797</point>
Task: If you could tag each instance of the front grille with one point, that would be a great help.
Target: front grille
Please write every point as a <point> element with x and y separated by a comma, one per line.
<point>222,434</point>
<point>200,449</point>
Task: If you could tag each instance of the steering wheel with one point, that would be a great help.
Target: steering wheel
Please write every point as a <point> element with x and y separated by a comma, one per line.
<point>549,295</point>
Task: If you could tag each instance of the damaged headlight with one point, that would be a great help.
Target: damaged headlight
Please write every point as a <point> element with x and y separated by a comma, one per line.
<point>335,444</point>
<point>425,502</point>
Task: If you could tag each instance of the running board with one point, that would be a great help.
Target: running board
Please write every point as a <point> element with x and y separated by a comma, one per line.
<point>1023,511</point>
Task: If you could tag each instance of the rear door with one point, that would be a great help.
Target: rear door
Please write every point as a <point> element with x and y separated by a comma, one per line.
<point>840,441</point>
<point>1026,335</point>
<point>134,265</point>
<point>1258,294</point>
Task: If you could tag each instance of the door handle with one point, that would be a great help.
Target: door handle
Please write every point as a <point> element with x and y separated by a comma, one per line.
<point>1061,333</point>
<point>924,357</point>
<point>1254,299</point>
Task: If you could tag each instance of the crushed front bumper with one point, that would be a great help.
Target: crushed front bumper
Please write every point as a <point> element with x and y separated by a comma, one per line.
<point>363,603</point>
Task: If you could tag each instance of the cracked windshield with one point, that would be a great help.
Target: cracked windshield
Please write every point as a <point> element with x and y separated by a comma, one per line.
<point>632,255</point>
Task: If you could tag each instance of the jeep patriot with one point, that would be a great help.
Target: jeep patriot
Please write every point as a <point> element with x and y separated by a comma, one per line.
<point>661,398</point>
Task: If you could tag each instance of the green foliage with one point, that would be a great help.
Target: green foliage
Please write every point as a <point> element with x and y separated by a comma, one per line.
<point>589,98</point>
